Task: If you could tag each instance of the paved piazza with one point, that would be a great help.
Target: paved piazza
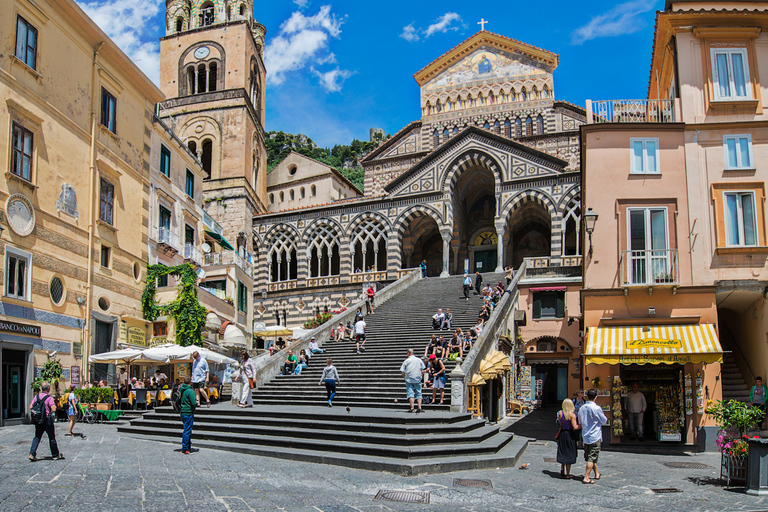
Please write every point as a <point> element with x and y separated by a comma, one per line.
<point>107,471</point>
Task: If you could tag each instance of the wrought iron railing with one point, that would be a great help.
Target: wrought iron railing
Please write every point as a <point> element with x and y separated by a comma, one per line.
<point>168,237</point>
<point>652,267</point>
<point>631,111</point>
<point>193,254</point>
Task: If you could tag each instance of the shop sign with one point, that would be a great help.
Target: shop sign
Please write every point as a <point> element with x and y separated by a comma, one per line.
<point>30,330</point>
<point>74,375</point>
<point>655,359</point>
<point>654,343</point>
<point>137,336</point>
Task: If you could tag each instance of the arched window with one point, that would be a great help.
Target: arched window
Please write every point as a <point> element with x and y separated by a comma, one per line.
<point>438,106</point>
<point>369,246</point>
<point>207,14</point>
<point>470,102</point>
<point>523,95</point>
<point>282,196</point>
<point>435,139</point>
<point>507,128</point>
<point>255,89</point>
<point>572,223</point>
<point>512,96</point>
<point>428,108</point>
<point>480,100</point>
<point>497,127</point>
<point>518,128</point>
<point>455,130</point>
<point>491,98</point>
<point>271,198</point>
<point>539,125</point>
<point>446,135</point>
<point>535,94</point>
<point>207,157</point>
<point>546,345</point>
<point>192,145</point>
<point>281,258</point>
<point>292,195</point>
<point>528,126</point>
<point>202,73</point>
<point>486,126</point>
<point>242,10</point>
<point>323,251</point>
<point>448,105</point>
<point>546,92</point>
<point>212,76</point>
<point>313,191</point>
<point>179,24</point>
<point>302,193</point>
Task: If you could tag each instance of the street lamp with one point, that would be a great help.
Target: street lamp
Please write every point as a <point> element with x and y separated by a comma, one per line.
<point>590,219</point>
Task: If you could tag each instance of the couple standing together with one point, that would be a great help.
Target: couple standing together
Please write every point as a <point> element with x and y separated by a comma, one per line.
<point>589,420</point>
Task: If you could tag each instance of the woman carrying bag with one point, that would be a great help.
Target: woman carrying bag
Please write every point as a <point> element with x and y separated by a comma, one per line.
<point>566,438</point>
<point>248,378</point>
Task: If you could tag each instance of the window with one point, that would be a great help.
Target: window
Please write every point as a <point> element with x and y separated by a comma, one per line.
<point>21,163</point>
<point>26,42</point>
<point>738,151</point>
<point>282,196</point>
<point>302,193</point>
<point>162,280</point>
<point>649,259</point>
<point>165,218</point>
<point>107,202</point>
<point>528,126</point>
<point>207,14</point>
<point>190,184</point>
<point>271,198</point>
<point>313,191</point>
<point>292,194</point>
<point>740,219</point>
<point>165,161</point>
<point>18,275</point>
<point>160,329</point>
<point>108,110</point>
<point>106,253</point>
<point>242,297</point>
<point>56,290</point>
<point>189,234</point>
<point>730,70</point>
<point>645,156</point>
<point>549,304</point>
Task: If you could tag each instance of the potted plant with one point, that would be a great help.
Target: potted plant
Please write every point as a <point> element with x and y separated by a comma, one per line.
<point>733,418</point>
<point>104,398</point>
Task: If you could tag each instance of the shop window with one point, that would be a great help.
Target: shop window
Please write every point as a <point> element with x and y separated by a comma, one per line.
<point>645,156</point>
<point>738,152</point>
<point>108,110</point>
<point>26,42</point>
<point>18,275</point>
<point>549,304</point>
<point>21,163</point>
<point>730,71</point>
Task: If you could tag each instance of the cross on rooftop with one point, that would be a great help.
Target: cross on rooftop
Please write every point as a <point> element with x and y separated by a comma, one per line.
<point>482,23</point>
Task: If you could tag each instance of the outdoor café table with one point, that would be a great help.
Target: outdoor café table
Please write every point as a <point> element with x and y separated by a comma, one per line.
<point>163,395</point>
<point>111,415</point>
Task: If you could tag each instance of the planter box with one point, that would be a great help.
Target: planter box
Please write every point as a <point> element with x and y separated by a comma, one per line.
<point>757,472</point>
<point>103,407</point>
<point>733,469</point>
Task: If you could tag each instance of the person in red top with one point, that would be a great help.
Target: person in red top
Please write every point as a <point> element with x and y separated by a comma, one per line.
<point>48,426</point>
<point>370,292</point>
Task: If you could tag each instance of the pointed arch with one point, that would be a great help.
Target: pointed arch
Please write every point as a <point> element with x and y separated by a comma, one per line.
<point>323,243</point>
<point>471,158</point>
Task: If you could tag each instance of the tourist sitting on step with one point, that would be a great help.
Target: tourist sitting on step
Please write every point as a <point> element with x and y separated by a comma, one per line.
<point>466,341</point>
<point>290,363</point>
<point>431,346</point>
<point>338,334</point>
<point>499,289</point>
<point>448,319</point>
<point>485,312</point>
<point>302,362</point>
<point>438,319</point>
<point>487,290</point>
<point>455,347</point>
<point>436,371</point>
<point>349,330</point>
<point>313,347</point>
<point>479,327</point>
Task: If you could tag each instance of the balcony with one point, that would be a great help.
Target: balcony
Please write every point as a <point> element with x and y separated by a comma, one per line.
<point>632,111</point>
<point>229,258</point>
<point>167,241</point>
<point>192,254</point>
<point>650,268</point>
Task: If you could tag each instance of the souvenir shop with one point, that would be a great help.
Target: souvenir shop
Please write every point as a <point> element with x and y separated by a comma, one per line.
<point>675,367</point>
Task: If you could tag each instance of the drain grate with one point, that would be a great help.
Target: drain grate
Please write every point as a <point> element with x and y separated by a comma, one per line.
<point>403,496</point>
<point>686,465</point>
<point>666,490</point>
<point>550,459</point>
<point>463,482</point>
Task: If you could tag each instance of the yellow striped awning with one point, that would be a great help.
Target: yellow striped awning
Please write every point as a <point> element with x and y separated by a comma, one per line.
<point>656,344</point>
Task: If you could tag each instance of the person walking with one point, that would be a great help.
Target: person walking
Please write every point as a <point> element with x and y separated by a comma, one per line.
<point>370,293</point>
<point>636,406</point>
<point>412,369</point>
<point>188,406</point>
<point>567,437</point>
<point>758,395</point>
<point>478,282</point>
<point>466,285</point>
<point>200,377</point>
<point>72,402</point>
<point>437,372</point>
<point>247,377</point>
<point>591,419</point>
<point>330,378</point>
<point>424,268</point>
<point>360,335</point>
<point>47,410</point>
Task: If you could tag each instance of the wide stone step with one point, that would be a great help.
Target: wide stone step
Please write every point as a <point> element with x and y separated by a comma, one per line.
<point>351,401</point>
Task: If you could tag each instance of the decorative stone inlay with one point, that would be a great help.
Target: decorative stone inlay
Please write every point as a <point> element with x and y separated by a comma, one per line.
<point>67,201</point>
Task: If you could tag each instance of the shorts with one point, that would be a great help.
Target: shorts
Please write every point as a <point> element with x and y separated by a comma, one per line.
<point>370,300</point>
<point>359,337</point>
<point>439,383</point>
<point>198,385</point>
<point>413,390</point>
<point>592,452</point>
<point>71,412</point>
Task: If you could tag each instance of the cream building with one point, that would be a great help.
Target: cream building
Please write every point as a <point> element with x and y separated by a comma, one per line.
<point>299,181</point>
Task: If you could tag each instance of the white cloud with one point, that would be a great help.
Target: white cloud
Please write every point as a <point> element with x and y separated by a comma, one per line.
<point>623,19</point>
<point>301,3</point>
<point>303,40</point>
<point>332,80</point>
<point>443,24</point>
<point>410,33</point>
<point>125,21</point>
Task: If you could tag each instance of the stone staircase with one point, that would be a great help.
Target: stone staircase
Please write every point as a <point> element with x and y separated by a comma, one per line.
<point>734,385</point>
<point>366,428</point>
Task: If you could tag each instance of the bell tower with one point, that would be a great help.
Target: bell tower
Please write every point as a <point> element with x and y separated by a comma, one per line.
<point>212,72</point>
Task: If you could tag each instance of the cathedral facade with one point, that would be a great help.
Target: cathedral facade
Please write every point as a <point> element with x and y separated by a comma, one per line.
<point>488,176</point>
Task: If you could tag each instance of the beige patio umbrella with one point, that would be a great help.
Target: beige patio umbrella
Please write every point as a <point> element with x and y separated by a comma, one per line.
<point>274,331</point>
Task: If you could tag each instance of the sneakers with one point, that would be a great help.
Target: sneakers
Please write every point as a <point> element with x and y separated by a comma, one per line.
<point>418,411</point>
<point>32,458</point>
<point>59,457</point>
<point>330,404</point>
<point>186,452</point>
<point>359,352</point>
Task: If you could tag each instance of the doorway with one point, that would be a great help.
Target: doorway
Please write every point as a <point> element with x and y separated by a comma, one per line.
<point>13,379</point>
<point>485,261</point>
<point>554,383</point>
<point>103,343</point>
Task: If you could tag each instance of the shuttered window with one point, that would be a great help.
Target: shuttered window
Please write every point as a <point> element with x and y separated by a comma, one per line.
<point>548,305</point>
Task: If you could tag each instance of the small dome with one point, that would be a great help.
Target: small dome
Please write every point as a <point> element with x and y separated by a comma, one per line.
<point>212,322</point>
<point>233,336</point>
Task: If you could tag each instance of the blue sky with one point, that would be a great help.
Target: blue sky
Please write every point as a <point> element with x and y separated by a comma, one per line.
<point>337,68</point>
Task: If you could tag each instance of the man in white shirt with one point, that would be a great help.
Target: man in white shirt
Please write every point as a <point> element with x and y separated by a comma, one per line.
<point>360,335</point>
<point>438,319</point>
<point>412,370</point>
<point>636,406</point>
<point>122,383</point>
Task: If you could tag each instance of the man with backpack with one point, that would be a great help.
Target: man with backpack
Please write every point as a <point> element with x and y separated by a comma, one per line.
<point>42,410</point>
<point>187,406</point>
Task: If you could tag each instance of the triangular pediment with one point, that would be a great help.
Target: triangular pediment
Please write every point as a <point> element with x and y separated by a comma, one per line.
<point>404,142</point>
<point>510,161</point>
<point>504,57</point>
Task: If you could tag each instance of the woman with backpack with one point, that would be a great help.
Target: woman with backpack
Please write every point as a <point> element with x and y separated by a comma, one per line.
<point>72,402</point>
<point>42,409</point>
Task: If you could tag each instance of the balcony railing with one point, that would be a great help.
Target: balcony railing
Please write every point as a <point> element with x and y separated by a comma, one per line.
<point>168,237</point>
<point>221,294</point>
<point>228,258</point>
<point>193,254</point>
<point>650,268</point>
<point>632,111</point>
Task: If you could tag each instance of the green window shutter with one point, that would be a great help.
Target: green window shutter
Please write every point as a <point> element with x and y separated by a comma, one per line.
<point>560,305</point>
<point>536,305</point>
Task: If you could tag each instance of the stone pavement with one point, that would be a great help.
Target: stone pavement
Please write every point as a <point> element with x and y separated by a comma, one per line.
<point>107,471</point>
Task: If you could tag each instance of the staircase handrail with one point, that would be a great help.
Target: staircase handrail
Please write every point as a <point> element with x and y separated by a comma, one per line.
<point>268,367</point>
<point>735,345</point>
<point>491,330</point>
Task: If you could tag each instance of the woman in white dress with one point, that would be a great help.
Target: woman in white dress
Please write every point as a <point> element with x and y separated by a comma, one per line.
<point>247,372</point>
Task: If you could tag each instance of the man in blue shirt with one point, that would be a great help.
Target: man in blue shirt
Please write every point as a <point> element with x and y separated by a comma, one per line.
<point>200,377</point>
<point>591,418</point>
<point>466,283</point>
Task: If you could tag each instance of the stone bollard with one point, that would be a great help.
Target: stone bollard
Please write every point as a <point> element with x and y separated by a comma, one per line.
<point>237,391</point>
<point>457,388</point>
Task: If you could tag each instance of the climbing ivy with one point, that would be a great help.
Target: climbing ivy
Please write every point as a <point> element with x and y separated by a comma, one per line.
<point>185,309</point>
